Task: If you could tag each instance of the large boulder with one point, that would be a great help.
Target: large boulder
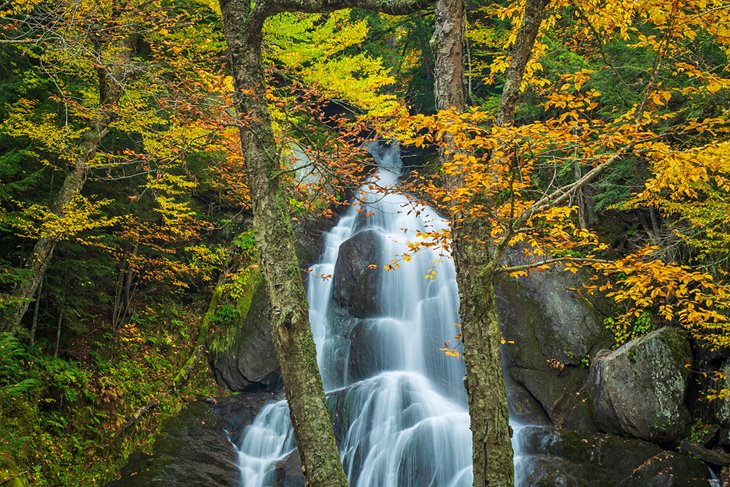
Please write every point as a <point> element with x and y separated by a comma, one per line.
<point>552,333</point>
<point>547,319</point>
<point>355,281</point>
<point>550,457</point>
<point>249,361</point>
<point>191,449</point>
<point>639,389</point>
<point>196,446</point>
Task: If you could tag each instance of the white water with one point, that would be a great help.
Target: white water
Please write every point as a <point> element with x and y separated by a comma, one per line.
<point>402,404</point>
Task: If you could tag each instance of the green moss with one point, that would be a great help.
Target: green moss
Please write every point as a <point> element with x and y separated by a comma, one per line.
<point>229,316</point>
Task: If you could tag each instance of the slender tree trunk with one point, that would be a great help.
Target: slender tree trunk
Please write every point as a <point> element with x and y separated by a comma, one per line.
<point>522,50</point>
<point>110,92</point>
<point>61,307</point>
<point>492,454</point>
<point>46,244</point>
<point>36,309</point>
<point>291,332</point>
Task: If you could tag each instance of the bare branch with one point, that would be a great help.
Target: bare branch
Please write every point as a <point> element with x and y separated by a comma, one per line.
<point>18,41</point>
<point>557,260</point>
<point>391,7</point>
<point>563,193</point>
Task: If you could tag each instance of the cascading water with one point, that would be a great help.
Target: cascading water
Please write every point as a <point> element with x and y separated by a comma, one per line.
<point>399,402</point>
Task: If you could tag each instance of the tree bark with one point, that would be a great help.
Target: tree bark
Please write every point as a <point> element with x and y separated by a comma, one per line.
<point>448,42</point>
<point>110,92</point>
<point>291,332</point>
<point>474,256</point>
<point>491,435</point>
<point>46,244</point>
<point>522,50</point>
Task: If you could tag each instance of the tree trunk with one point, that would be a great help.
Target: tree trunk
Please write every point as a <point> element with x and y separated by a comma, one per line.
<point>109,94</point>
<point>491,443</point>
<point>521,52</point>
<point>46,244</point>
<point>291,332</point>
<point>36,309</point>
<point>492,454</point>
<point>448,40</point>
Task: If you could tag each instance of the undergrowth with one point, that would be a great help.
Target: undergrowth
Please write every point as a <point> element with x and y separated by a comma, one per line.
<point>59,416</point>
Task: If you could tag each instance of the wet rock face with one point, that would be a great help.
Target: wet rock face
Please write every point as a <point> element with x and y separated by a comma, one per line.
<point>355,283</point>
<point>569,458</point>
<point>639,389</point>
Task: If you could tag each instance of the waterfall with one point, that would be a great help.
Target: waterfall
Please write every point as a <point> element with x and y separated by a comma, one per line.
<point>399,401</point>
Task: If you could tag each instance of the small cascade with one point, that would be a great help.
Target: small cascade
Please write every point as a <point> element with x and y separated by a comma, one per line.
<point>268,440</point>
<point>399,401</point>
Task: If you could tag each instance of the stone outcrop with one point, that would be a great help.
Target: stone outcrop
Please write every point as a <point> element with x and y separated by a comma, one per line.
<point>355,282</point>
<point>195,447</point>
<point>250,361</point>
<point>639,389</point>
<point>575,459</point>
<point>551,333</point>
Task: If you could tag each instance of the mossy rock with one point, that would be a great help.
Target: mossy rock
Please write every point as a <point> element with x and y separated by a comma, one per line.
<point>639,389</point>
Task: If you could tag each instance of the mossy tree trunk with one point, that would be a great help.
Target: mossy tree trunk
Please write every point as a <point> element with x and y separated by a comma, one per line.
<point>475,257</point>
<point>243,22</point>
<point>291,333</point>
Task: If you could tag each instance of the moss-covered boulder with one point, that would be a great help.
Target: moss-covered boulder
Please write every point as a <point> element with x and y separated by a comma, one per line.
<point>248,361</point>
<point>639,389</point>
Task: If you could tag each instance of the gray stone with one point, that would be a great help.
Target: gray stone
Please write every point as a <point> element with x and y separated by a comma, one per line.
<point>523,407</point>
<point>250,362</point>
<point>668,469</point>
<point>716,457</point>
<point>562,395</point>
<point>545,306</point>
<point>195,446</point>
<point>355,283</point>
<point>191,449</point>
<point>308,239</point>
<point>639,389</point>
<point>552,457</point>
<point>289,471</point>
<point>551,471</point>
<point>542,319</point>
